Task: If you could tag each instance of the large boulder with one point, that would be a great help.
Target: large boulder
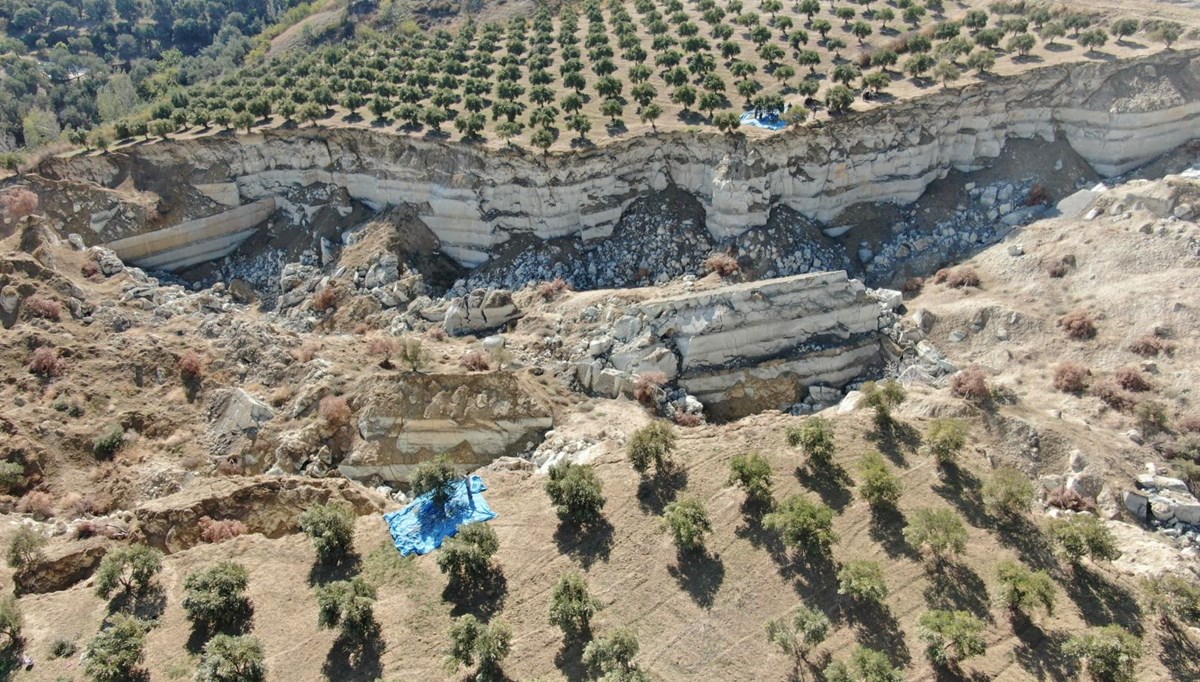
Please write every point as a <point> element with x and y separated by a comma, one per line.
<point>480,310</point>
<point>62,566</point>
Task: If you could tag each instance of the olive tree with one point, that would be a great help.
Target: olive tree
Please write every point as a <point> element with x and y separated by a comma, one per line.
<point>571,606</point>
<point>228,658</point>
<point>576,492</point>
<point>129,568</point>
<point>652,445</point>
<point>467,557</point>
<point>331,529</point>
<point>951,636</point>
<point>796,637</point>
<point>688,522</point>
<point>473,643</point>
<point>216,597</point>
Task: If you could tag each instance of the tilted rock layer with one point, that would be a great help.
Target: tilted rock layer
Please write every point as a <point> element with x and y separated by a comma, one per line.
<point>1116,115</point>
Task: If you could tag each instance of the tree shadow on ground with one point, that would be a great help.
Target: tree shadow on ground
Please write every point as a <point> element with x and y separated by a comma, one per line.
<point>1041,654</point>
<point>569,659</point>
<point>956,587</point>
<point>955,673</point>
<point>894,438</point>
<point>347,568</point>
<point>1180,654</point>
<point>1056,47</point>
<point>354,659</point>
<point>1103,602</point>
<point>483,601</point>
<point>761,537</point>
<point>239,623</point>
<point>10,659</point>
<point>963,489</point>
<point>655,492</point>
<point>589,543</point>
<point>887,528</point>
<point>814,577</point>
<point>878,629</point>
<point>830,483</point>
<point>148,603</point>
<point>700,574</point>
<point>1029,542</point>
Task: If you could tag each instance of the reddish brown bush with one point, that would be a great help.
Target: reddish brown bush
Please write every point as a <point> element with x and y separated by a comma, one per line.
<point>1188,423</point>
<point>45,363</point>
<point>960,277</point>
<point>335,410</point>
<point>18,203</point>
<point>387,346</point>
<point>971,383</point>
<point>191,365</point>
<point>231,466</point>
<point>46,308</point>
<point>324,299</point>
<point>552,289</point>
<point>74,505</point>
<point>1079,325</point>
<point>37,503</point>
<point>1038,195</point>
<point>91,270</point>
<point>1065,498</point>
<point>1113,395</point>
<point>1132,379</point>
<point>1071,377</point>
<point>912,286</point>
<point>438,334</point>
<point>687,419</point>
<point>475,361</point>
<point>1060,268</point>
<point>1149,346</point>
<point>723,264</point>
<point>648,386</point>
<point>305,353</point>
<point>212,530</point>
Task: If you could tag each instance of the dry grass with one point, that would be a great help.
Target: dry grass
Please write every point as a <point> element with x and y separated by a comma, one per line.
<point>960,277</point>
<point>192,365</point>
<point>1078,325</point>
<point>325,299</point>
<point>37,503</point>
<point>335,410</point>
<point>45,362</point>
<point>971,384</point>
<point>1151,345</point>
<point>18,203</point>
<point>475,361</point>
<point>1071,377</point>
<point>1132,379</point>
<point>1113,395</point>
<point>723,264</point>
<point>44,307</point>
<point>648,386</point>
<point>552,289</point>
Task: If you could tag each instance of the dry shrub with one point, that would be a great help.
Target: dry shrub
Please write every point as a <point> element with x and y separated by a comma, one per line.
<point>1065,498</point>
<point>971,383</point>
<point>91,270</point>
<point>1071,377</point>
<point>438,333</point>
<point>75,505</point>
<point>43,307</point>
<point>648,386</point>
<point>1060,267</point>
<point>305,353</point>
<point>1132,379</point>
<point>1038,195</point>
<point>899,45</point>
<point>959,278</point>
<point>191,365</point>
<point>18,203</point>
<point>912,286</point>
<point>552,289</point>
<point>324,299</point>
<point>1149,346</point>
<point>1079,325</point>
<point>37,503</point>
<point>281,396</point>
<point>687,419</point>
<point>1189,423</point>
<point>45,363</point>
<point>1113,395</point>
<point>335,410</point>
<point>231,466</point>
<point>212,530</point>
<point>475,361</point>
<point>723,264</point>
<point>383,345</point>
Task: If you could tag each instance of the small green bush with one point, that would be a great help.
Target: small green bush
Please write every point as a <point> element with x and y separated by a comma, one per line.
<point>129,568</point>
<point>117,652</point>
<point>1022,589</point>
<point>803,525</point>
<point>25,548</point>
<point>576,492</point>
<point>883,397</point>
<point>216,597</point>
<point>1007,493</point>
<point>331,529</point>
<point>863,581</point>
<point>1172,596</point>
<point>687,519</point>
<point>437,477</point>
<point>571,606</point>
<point>880,487</point>
<point>467,557</point>
<point>652,445</point>
<point>1111,653</point>
<point>945,439</point>
<point>611,657</point>
<point>815,438</point>
<point>866,665</point>
<point>106,445</point>
<point>476,643</point>
<point>752,473</point>
<point>232,659</point>
<point>350,605</point>
<point>1084,535</point>
<point>939,531</point>
<point>61,647</point>
<point>11,622</point>
<point>951,636</point>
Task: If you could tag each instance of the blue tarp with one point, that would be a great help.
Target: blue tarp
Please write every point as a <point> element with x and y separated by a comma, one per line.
<point>420,527</point>
<point>770,121</point>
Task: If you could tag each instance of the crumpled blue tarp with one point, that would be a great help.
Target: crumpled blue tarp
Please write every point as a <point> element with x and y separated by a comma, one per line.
<point>769,121</point>
<point>421,527</point>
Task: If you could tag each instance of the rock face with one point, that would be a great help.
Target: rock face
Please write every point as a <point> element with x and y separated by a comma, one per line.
<point>62,567</point>
<point>267,505</point>
<point>472,418</point>
<point>196,241</point>
<point>1114,115</point>
<point>746,347</point>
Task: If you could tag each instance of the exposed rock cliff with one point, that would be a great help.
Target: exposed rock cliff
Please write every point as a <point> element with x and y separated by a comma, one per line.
<point>1115,115</point>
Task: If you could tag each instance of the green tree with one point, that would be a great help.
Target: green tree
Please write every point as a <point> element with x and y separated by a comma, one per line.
<point>467,557</point>
<point>1021,589</point>
<point>1173,597</point>
<point>807,629</point>
<point>215,597</point>
<point>473,643</point>
<point>576,492</point>
<point>350,606</point>
<point>1111,653</point>
<point>981,60</point>
<point>753,473</point>
<point>951,636</point>
<point>918,65</point>
<point>938,531</point>
<point>945,439</point>
<point>1052,30</point>
<point>1093,39</point>
<point>572,607</point>
<point>1166,32</point>
<point>436,477</point>
<point>542,138</point>
<point>946,72</point>
<point>229,658</point>
<point>1021,43</point>
<point>688,522</point>
<point>861,30</point>
<point>11,623</point>
<point>1008,493</point>
<point>243,119</point>
<point>25,548</point>
<point>726,122</point>
<point>866,665</point>
<point>129,568</point>
<point>611,657</point>
<point>803,525</point>
<point>883,397</point>
<point>331,529</point>
<point>652,445</point>
<point>879,487</point>
<point>650,114</point>
<point>1084,535</point>
<point>117,652</point>
<point>470,125</point>
<point>863,581</point>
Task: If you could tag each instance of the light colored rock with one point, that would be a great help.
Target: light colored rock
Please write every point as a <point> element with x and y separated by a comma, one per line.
<point>480,311</point>
<point>233,410</point>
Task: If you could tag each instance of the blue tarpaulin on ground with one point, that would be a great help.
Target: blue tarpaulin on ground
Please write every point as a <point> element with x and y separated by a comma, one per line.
<point>421,527</point>
<point>770,121</point>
